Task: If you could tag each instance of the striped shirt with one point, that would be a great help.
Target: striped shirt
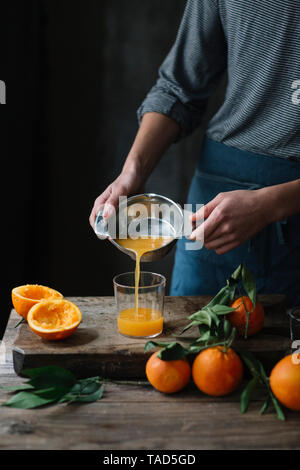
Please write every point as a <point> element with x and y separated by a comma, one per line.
<point>258,43</point>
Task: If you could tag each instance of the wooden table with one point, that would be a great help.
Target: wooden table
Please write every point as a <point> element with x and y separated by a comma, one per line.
<point>138,417</point>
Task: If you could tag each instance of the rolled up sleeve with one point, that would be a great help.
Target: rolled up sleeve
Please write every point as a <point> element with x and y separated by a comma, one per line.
<point>191,70</point>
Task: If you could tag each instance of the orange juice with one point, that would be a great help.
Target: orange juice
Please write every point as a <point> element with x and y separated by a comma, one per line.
<point>148,322</point>
<point>141,319</point>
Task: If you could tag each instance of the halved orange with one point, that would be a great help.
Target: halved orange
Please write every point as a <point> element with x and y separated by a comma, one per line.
<point>54,319</point>
<point>25,297</point>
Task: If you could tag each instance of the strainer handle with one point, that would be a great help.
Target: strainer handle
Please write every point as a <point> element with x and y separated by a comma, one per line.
<point>100,227</point>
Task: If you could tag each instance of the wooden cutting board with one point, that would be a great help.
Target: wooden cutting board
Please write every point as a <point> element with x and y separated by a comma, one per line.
<point>96,348</point>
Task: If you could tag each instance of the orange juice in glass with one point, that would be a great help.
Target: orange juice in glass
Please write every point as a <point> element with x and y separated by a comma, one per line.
<point>146,320</point>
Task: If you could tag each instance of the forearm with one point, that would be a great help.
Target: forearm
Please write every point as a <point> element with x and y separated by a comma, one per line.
<point>156,133</point>
<point>282,200</point>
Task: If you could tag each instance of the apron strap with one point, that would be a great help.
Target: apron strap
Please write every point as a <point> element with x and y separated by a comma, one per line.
<point>280,231</point>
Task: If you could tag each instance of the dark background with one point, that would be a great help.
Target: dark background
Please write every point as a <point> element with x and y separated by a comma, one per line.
<point>76,73</point>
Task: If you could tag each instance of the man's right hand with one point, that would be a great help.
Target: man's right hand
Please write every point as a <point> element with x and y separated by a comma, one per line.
<point>126,184</point>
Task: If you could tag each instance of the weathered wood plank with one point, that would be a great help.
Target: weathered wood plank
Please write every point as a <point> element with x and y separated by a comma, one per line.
<point>167,425</point>
<point>97,347</point>
<point>128,416</point>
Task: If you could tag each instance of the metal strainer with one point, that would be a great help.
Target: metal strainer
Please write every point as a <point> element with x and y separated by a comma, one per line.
<point>142,215</point>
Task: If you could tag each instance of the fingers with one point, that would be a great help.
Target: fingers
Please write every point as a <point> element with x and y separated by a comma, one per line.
<point>206,229</point>
<point>198,234</point>
<point>215,231</point>
<point>94,213</point>
<point>204,211</point>
<point>199,215</point>
<point>107,202</point>
<point>220,245</point>
<point>226,248</point>
<point>224,228</point>
<point>220,242</point>
<point>111,204</point>
<point>99,205</point>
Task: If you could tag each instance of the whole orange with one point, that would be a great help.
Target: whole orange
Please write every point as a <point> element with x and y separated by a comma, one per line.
<point>238,318</point>
<point>168,376</point>
<point>216,372</point>
<point>285,381</point>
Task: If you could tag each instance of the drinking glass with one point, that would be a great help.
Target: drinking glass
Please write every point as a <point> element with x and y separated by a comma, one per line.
<point>144,320</point>
<point>294,317</point>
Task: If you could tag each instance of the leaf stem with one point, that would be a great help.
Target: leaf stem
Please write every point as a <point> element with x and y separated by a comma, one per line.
<point>230,340</point>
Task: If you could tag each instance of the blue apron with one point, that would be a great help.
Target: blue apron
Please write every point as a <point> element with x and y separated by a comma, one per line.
<point>273,255</point>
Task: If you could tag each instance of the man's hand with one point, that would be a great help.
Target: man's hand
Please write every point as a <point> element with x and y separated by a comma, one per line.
<point>126,184</point>
<point>231,218</point>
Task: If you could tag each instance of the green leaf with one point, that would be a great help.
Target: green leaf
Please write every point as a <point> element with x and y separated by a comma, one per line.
<point>231,338</point>
<point>54,384</point>
<point>214,317</point>
<point>194,348</point>
<point>90,379</point>
<point>202,317</point>
<point>54,393</point>
<point>217,306</point>
<point>248,313</point>
<point>249,284</point>
<point>279,412</point>
<point>206,339</point>
<point>265,406</point>
<point>227,328</point>
<point>50,376</point>
<point>222,297</point>
<point>203,329</point>
<point>76,388</point>
<point>154,344</point>
<point>172,352</point>
<point>254,365</point>
<point>231,289</point>
<point>90,387</point>
<point>235,276</point>
<point>206,336</point>
<point>18,388</point>
<point>219,309</point>
<point>67,398</point>
<point>95,395</point>
<point>247,393</point>
<point>190,325</point>
<point>26,400</point>
<point>263,374</point>
<point>257,370</point>
<point>89,398</point>
<point>206,316</point>
<point>169,351</point>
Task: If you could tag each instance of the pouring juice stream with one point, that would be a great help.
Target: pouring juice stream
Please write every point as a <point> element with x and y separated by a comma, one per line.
<point>139,321</point>
<point>159,223</point>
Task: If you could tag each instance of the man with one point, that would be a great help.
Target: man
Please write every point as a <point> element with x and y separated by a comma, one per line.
<point>248,174</point>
